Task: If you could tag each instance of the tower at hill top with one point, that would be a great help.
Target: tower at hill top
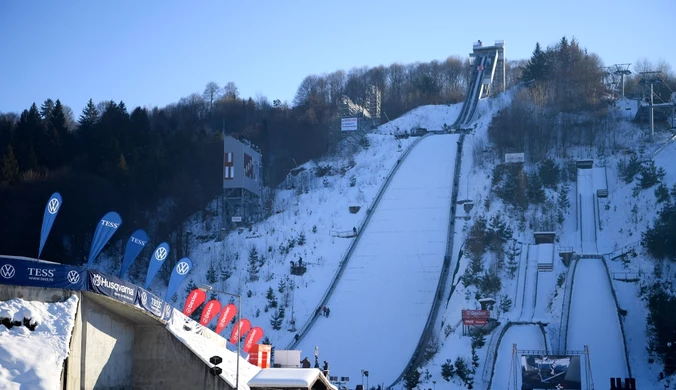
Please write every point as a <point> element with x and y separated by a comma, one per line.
<point>494,78</point>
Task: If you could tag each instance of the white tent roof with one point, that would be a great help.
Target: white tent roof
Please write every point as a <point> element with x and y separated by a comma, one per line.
<point>289,377</point>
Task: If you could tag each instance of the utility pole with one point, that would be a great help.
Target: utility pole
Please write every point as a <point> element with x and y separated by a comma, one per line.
<point>622,70</point>
<point>651,78</point>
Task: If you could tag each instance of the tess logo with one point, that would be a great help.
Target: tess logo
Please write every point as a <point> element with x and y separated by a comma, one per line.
<point>137,241</point>
<point>109,224</point>
<point>41,272</point>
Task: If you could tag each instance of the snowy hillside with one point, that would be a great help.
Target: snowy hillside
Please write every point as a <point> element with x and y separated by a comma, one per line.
<point>311,212</point>
<point>33,359</point>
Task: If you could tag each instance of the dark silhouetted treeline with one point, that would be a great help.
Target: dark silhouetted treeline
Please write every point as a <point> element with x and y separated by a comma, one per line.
<point>156,167</point>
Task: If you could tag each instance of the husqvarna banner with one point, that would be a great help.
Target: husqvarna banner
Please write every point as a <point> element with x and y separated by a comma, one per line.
<point>112,287</point>
<point>156,260</point>
<point>107,226</point>
<point>41,274</point>
<point>177,276</point>
<point>51,210</point>
<point>135,245</point>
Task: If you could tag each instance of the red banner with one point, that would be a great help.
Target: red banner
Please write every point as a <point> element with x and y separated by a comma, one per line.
<point>252,339</point>
<point>244,325</point>
<point>475,317</point>
<point>209,312</point>
<point>227,314</point>
<point>193,301</point>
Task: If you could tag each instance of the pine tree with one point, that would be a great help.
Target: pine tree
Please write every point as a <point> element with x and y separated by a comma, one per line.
<point>281,287</point>
<point>9,173</point>
<point>272,299</point>
<point>301,239</point>
<point>253,264</point>
<point>512,253</point>
<point>412,379</point>
<point>46,110</point>
<point>447,370</point>
<point>564,202</point>
<point>89,116</point>
<point>277,318</point>
<point>212,276</point>
<point>537,67</point>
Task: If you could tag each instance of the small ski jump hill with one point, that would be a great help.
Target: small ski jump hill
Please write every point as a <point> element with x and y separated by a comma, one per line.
<point>385,296</point>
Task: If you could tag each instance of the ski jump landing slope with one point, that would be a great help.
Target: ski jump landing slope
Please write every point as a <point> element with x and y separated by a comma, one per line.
<point>381,304</point>
<point>593,317</point>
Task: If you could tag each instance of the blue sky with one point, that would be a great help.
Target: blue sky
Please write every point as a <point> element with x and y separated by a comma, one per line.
<point>153,52</point>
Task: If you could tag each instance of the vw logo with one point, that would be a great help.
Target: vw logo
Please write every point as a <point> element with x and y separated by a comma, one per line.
<point>53,206</point>
<point>182,268</point>
<point>97,280</point>
<point>160,253</point>
<point>144,297</point>
<point>73,276</point>
<point>7,271</point>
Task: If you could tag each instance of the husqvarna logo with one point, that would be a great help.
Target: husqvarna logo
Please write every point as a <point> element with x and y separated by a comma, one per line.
<point>73,277</point>
<point>100,281</point>
<point>53,206</point>
<point>182,268</point>
<point>160,254</point>
<point>7,271</point>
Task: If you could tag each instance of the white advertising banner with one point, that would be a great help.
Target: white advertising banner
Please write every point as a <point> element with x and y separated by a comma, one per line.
<point>349,124</point>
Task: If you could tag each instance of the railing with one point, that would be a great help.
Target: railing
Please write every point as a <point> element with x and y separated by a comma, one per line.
<point>417,356</point>
<point>342,265</point>
<point>626,276</point>
<point>619,317</point>
<point>567,295</point>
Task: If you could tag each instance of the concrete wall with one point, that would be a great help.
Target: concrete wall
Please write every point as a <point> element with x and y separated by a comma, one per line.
<point>49,295</point>
<point>118,347</point>
<point>163,362</point>
<point>107,347</point>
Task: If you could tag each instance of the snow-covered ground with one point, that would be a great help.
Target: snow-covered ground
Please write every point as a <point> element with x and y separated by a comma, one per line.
<point>205,344</point>
<point>594,322</point>
<point>385,295</point>
<point>34,359</point>
<point>526,337</point>
<point>316,207</point>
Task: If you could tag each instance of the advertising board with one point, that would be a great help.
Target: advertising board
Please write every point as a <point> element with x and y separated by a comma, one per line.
<point>514,158</point>
<point>475,317</point>
<point>550,372</point>
<point>41,274</point>
<point>349,124</point>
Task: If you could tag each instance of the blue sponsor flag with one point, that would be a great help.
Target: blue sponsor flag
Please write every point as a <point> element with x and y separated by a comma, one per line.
<point>135,245</point>
<point>177,276</point>
<point>156,260</point>
<point>52,208</point>
<point>107,226</point>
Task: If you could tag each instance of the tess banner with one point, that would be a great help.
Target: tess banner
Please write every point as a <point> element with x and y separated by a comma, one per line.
<point>135,245</point>
<point>105,229</point>
<point>41,274</point>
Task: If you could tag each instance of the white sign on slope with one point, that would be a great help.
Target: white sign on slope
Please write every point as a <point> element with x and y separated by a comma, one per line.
<point>349,124</point>
<point>514,158</point>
